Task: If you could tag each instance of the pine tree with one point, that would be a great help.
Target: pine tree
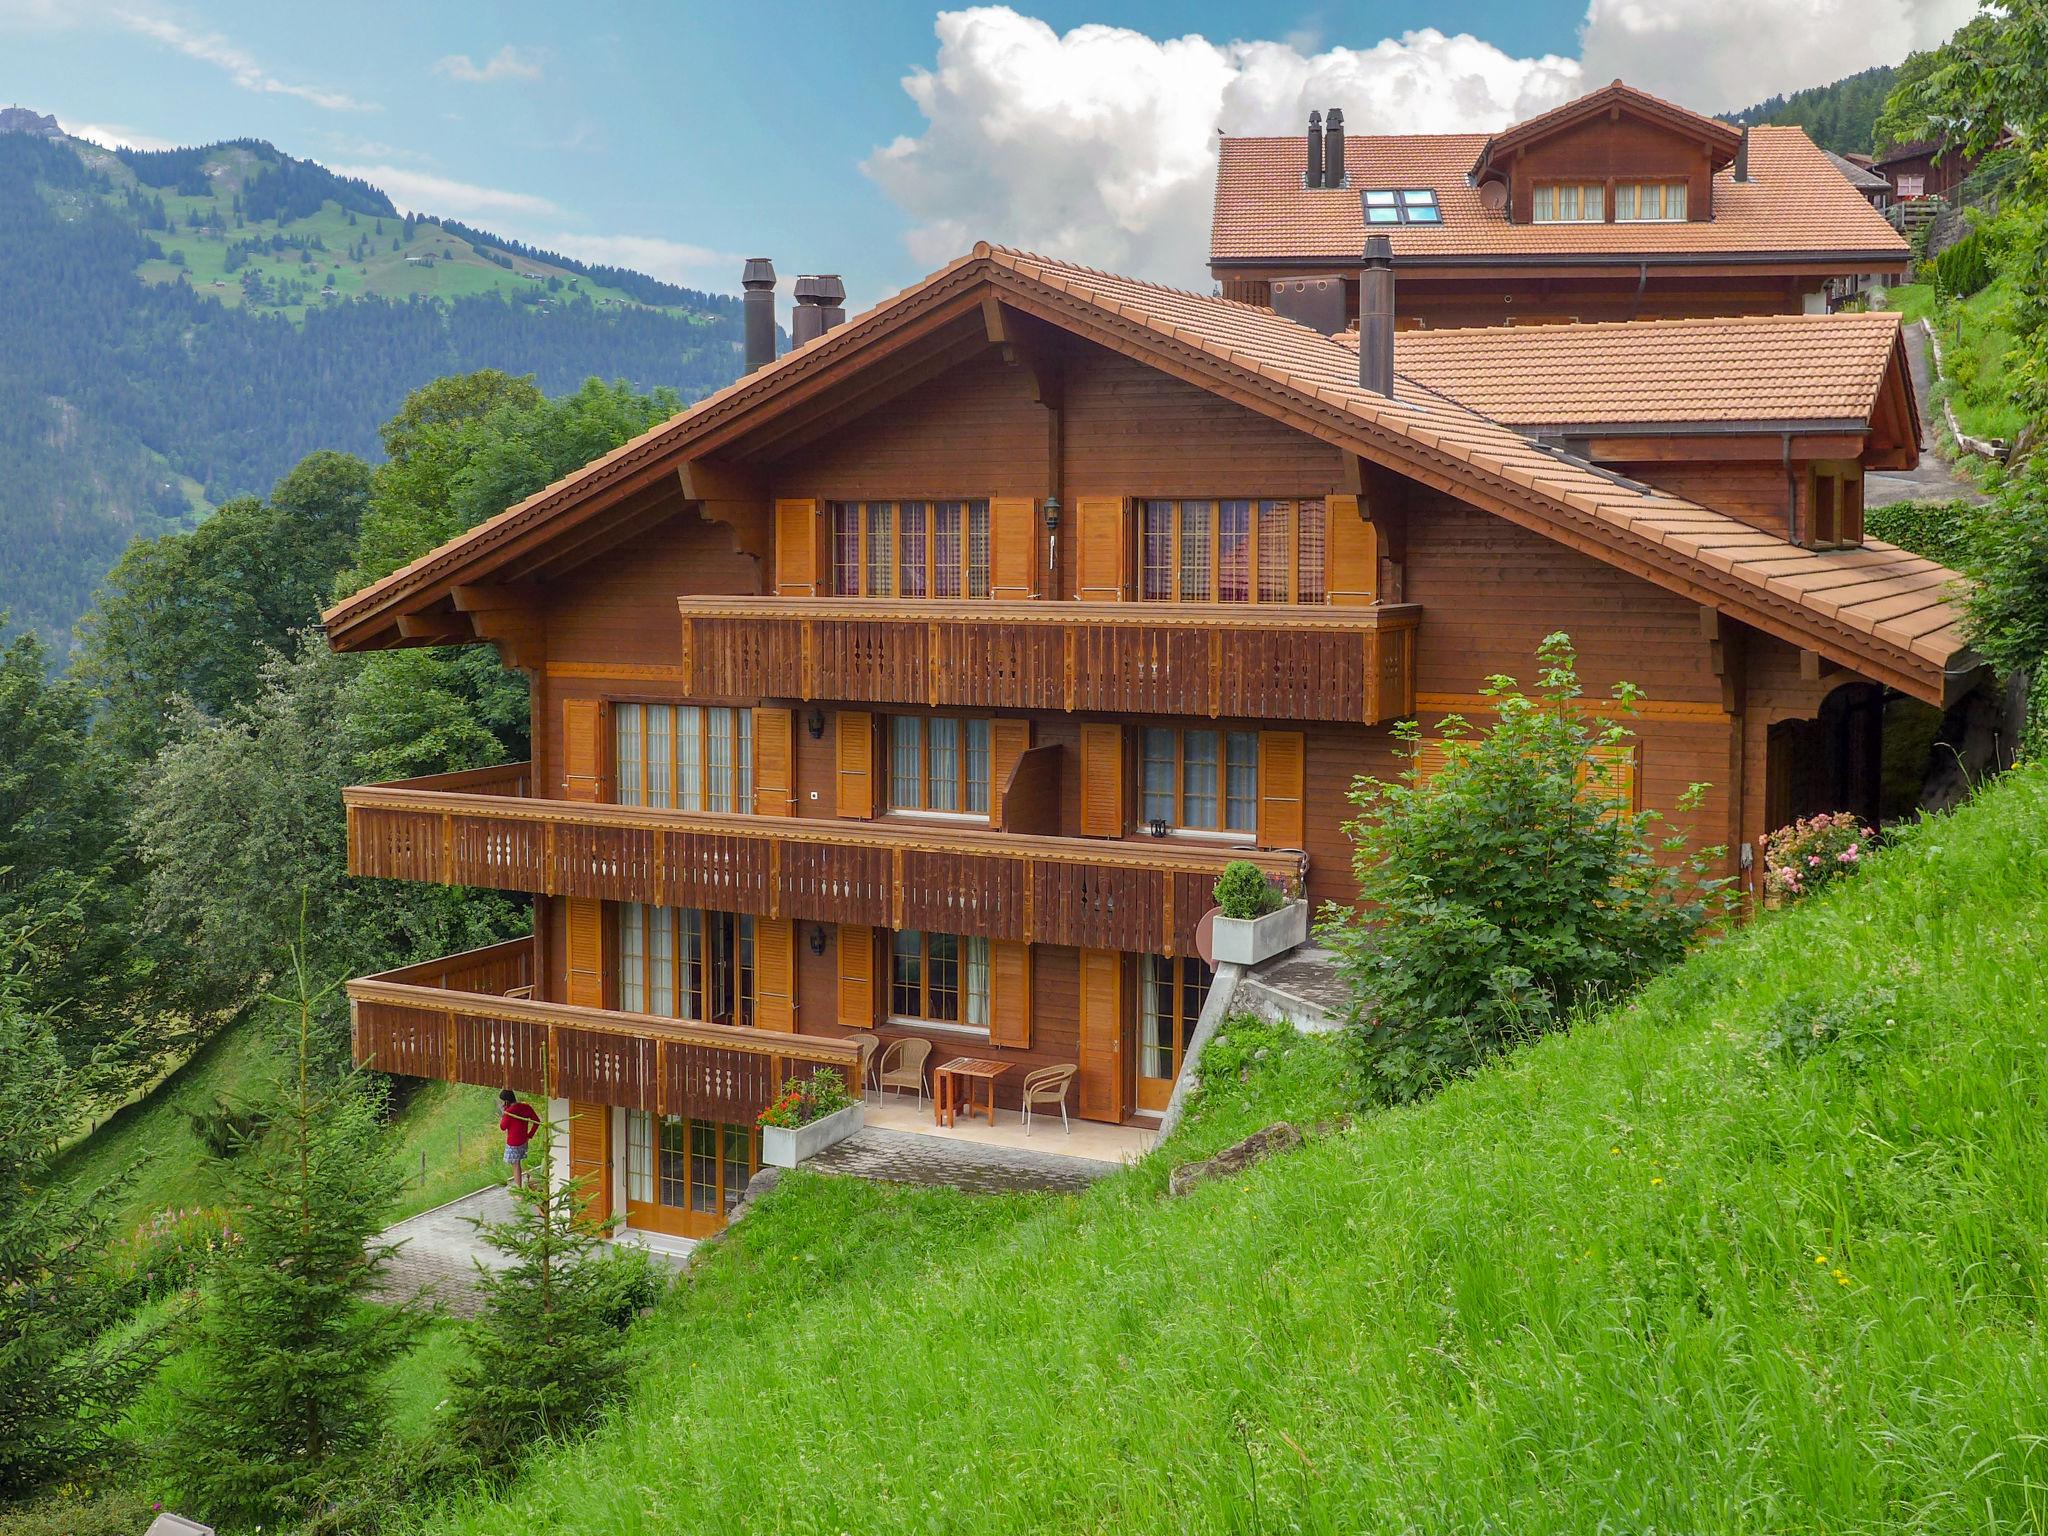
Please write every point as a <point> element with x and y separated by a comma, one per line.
<point>286,1402</point>
<point>62,1384</point>
<point>546,1355</point>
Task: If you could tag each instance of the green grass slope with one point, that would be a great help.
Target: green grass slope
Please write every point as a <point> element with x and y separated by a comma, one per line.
<point>443,1140</point>
<point>1979,351</point>
<point>1763,1251</point>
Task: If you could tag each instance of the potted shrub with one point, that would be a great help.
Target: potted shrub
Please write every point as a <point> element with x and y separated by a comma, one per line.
<point>808,1116</point>
<point>1254,919</point>
<point>1812,854</point>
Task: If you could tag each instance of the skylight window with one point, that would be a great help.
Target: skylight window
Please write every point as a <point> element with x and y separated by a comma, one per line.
<point>1400,205</point>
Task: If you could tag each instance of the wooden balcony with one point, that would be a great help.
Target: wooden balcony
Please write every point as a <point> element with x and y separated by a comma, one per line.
<point>1136,895</point>
<point>1221,660</point>
<point>466,1019</point>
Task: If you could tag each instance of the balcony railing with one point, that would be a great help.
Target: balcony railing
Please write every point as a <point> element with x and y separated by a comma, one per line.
<point>1135,895</point>
<point>1223,660</point>
<point>462,1019</point>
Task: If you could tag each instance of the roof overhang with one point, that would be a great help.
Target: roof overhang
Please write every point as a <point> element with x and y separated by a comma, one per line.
<point>1721,140</point>
<point>1591,263</point>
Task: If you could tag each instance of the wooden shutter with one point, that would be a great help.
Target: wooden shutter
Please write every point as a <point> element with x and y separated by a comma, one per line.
<point>1431,758</point>
<point>1102,1034</point>
<point>1102,781</point>
<point>854,741</point>
<point>583,921</point>
<point>1009,994</point>
<point>799,548</point>
<point>774,762</point>
<point>1099,549</point>
<point>775,974</point>
<point>1612,780</point>
<point>1852,506</point>
<point>590,1159</point>
<point>1282,755</point>
<point>856,976</point>
<point>1008,741</point>
<point>1013,548</point>
<point>1351,554</point>
<point>583,749</point>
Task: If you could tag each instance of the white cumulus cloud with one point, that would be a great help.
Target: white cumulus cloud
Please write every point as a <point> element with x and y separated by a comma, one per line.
<point>508,63</point>
<point>1099,144</point>
<point>1723,55</point>
<point>114,136</point>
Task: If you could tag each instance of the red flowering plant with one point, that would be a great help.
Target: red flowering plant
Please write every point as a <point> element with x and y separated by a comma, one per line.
<point>807,1099</point>
<point>1813,852</point>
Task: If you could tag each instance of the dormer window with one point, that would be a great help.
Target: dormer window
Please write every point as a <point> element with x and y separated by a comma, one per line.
<point>1569,202</point>
<point>1649,202</point>
<point>1400,205</point>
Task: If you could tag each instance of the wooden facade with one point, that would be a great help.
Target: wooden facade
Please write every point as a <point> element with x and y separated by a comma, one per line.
<point>991,821</point>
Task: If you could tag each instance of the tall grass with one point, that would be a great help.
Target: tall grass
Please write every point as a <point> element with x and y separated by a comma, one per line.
<point>1761,1251</point>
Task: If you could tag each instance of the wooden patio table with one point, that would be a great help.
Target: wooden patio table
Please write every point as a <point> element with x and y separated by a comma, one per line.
<point>946,1086</point>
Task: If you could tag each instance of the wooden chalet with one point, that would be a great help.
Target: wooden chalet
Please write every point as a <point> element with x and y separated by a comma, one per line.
<point>1616,206</point>
<point>923,681</point>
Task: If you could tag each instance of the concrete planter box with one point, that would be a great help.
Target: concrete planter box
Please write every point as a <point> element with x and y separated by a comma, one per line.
<point>1248,940</point>
<point>783,1148</point>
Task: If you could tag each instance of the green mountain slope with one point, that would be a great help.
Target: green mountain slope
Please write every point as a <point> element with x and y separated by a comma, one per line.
<point>1765,1250</point>
<point>181,327</point>
<point>1841,116</point>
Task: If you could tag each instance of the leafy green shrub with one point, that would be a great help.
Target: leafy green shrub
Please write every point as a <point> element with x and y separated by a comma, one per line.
<point>171,1252</point>
<point>1812,854</point>
<point>74,1512</point>
<point>628,1282</point>
<point>1964,267</point>
<point>1243,890</point>
<point>807,1099</point>
<point>1508,886</point>
<point>225,1128</point>
<point>1855,1028</point>
<point>1943,531</point>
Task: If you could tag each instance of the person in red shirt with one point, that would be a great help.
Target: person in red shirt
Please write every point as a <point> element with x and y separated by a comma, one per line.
<point>517,1120</point>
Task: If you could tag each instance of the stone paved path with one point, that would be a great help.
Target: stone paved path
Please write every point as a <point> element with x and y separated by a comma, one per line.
<point>903,1157</point>
<point>438,1252</point>
<point>1933,480</point>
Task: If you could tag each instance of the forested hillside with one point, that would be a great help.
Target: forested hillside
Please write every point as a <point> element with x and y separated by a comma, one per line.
<point>181,327</point>
<point>1841,116</point>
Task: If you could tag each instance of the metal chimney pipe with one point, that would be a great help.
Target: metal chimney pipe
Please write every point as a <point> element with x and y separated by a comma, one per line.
<point>1333,148</point>
<point>757,307</point>
<point>1314,176</point>
<point>1742,156</point>
<point>820,305</point>
<point>1376,317</point>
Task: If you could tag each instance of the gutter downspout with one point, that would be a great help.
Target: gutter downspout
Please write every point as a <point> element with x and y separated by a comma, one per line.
<point>1642,282</point>
<point>1791,488</point>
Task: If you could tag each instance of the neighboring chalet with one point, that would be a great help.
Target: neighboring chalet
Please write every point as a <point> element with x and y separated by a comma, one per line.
<point>1875,189</point>
<point>923,681</point>
<point>1922,168</point>
<point>1616,206</point>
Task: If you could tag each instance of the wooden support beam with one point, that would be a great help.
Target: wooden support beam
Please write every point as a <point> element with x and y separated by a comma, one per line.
<point>711,480</point>
<point>499,595</point>
<point>1813,666</point>
<point>436,628</point>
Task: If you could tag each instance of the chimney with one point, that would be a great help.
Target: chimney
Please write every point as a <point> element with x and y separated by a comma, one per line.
<point>1314,178</point>
<point>1333,148</point>
<point>1742,156</point>
<point>820,305</point>
<point>757,305</point>
<point>1376,317</point>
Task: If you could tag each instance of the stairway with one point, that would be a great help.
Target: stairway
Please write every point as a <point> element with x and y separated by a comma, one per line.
<point>1301,986</point>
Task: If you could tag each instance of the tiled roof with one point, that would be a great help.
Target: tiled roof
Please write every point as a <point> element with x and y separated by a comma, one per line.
<point>1724,137</point>
<point>1795,203</point>
<point>1758,368</point>
<point>1879,608</point>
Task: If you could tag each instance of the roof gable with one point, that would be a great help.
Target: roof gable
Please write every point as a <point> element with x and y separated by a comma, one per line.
<point>1721,140</point>
<point>1850,605</point>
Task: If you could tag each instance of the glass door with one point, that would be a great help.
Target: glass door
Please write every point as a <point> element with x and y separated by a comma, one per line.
<point>1170,1004</point>
<point>683,1176</point>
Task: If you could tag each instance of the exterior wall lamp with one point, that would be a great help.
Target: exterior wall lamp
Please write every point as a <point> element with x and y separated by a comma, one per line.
<point>817,938</point>
<point>814,722</point>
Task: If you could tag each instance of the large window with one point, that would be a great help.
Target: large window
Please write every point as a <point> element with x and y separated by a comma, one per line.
<point>1568,202</point>
<point>938,978</point>
<point>938,763</point>
<point>1649,202</point>
<point>1230,551</point>
<point>1206,781</point>
<point>1400,205</point>
<point>680,963</point>
<point>682,757</point>
<point>910,548</point>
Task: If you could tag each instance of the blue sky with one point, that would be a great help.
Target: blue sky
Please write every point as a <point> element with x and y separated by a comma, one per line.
<point>680,138</point>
